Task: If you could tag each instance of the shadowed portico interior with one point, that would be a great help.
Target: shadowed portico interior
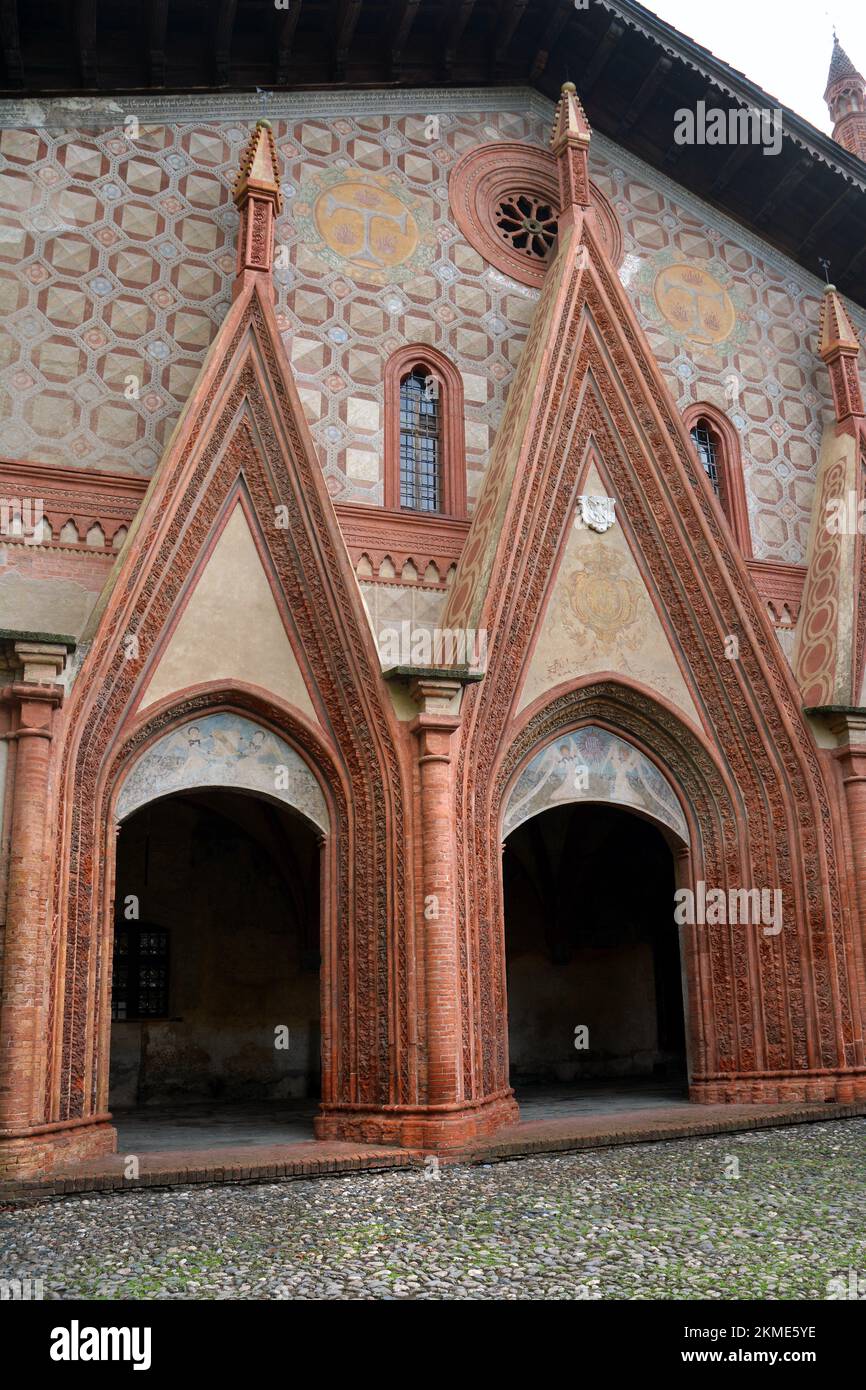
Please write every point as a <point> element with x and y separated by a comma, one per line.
<point>215,998</point>
<point>592,955</point>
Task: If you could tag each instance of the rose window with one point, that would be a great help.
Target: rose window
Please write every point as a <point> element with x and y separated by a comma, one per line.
<point>527,224</point>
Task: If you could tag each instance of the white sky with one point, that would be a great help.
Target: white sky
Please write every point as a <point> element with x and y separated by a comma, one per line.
<point>782,45</point>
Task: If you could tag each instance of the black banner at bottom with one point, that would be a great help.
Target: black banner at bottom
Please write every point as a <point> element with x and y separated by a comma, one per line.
<point>219,1338</point>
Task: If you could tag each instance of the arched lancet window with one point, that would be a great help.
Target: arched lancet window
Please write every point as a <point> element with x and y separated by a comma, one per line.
<point>420,442</point>
<point>425,455</point>
<point>706,441</point>
<point>717,446</point>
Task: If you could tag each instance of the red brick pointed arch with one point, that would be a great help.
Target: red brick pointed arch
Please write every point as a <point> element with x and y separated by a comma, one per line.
<point>261,708</point>
<point>713,963</point>
<point>732,483</point>
<point>244,429</point>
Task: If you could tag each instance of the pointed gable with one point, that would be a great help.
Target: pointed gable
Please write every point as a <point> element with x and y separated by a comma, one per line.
<point>600,614</point>
<point>235,569</point>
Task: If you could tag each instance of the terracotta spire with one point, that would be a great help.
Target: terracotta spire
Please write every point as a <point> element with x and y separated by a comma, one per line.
<point>839,347</point>
<point>845,96</point>
<point>256,193</point>
<point>569,141</point>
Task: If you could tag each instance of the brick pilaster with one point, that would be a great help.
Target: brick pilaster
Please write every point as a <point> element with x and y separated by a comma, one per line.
<point>34,701</point>
<point>433,728</point>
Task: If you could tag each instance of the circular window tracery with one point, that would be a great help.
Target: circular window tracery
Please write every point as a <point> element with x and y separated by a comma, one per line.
<point>505,200</point>
<point>528,224</point>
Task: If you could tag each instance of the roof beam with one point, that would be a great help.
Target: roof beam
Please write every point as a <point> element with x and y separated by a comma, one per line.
<point>287,23</point>
<point>460,18</point>
<point>509,16</point>
<point>157,20</point>
<point>10,39</point>
<point>400,27</point>
<point>732,166</point>
<point>854,263</point>
<point>645,93</point>
<point>601,57</point>
<point>85,35</point>
<point>675,152</point>
<point>562,11</point>
<point>348,13</point>
<point>826,221</point>
<point>784,187</point>
<point>222,42</point>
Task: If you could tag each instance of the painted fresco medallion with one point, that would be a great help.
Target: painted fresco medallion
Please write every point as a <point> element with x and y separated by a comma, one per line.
<point>366,224</point>
<point>694,303</point>
<point>370,221</point>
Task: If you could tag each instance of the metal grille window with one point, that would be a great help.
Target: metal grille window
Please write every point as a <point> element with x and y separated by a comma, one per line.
<point>708,452</point>
<point>420,442</point>
<point>139,979</point>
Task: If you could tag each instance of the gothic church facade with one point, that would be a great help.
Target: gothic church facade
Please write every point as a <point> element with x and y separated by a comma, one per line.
<point>418,565</point>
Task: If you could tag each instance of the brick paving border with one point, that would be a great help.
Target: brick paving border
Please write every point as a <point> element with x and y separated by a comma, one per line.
<point>313,1159</point>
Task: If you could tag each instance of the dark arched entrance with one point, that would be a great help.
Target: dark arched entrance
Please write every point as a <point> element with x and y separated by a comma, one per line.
<point>215,981</point>
<point>591,945</point>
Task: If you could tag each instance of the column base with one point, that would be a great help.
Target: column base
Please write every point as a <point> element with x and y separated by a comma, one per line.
<point>843,1087</point>
<point>37,1154</point>
<point>429,1128</point>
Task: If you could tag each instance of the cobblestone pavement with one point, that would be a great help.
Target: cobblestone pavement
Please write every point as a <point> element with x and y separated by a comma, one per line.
<point>656,1221</point>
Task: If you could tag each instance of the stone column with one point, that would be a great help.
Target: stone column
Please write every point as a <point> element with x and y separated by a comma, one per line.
<point>850,730</point>
<point>34,699</point>
<point>433,728</point>
<point>849,727</point>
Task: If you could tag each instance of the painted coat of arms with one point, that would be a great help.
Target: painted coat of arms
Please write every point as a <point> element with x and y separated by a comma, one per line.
<point>370,220</point>
<point>601,598</point>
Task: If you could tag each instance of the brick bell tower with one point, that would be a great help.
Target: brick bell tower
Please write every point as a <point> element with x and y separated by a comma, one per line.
<point>845,96</point>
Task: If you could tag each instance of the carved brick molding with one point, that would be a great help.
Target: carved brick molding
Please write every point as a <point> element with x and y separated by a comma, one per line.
<point>244,436</point>
<point>74,504</point>
<point>384,543</point>
<point>768,1017</point>
<point>780,588</point>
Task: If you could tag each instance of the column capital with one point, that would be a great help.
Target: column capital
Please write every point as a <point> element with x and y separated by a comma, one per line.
<point>43,662</point>
<point>847,724</point>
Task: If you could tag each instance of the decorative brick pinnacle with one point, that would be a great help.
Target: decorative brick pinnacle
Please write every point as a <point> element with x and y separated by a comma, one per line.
<point>839,348</point>
<point>836,332</point>
<point>259,169</point>
<point>569,142</point>
<point>841,67</point>
<point>569,122</point>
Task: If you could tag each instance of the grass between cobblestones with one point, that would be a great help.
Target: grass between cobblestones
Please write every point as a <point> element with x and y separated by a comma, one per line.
<point>653,1221</point>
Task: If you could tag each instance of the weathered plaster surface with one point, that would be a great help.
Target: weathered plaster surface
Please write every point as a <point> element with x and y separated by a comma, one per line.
<point>600,617</point>
<point>231,628</point>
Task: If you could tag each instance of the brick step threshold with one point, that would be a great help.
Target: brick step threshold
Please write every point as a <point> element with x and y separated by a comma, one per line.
<point>316,1159</point>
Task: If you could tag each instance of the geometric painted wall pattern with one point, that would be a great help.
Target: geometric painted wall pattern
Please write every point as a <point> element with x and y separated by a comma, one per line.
<point>116,261</point>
